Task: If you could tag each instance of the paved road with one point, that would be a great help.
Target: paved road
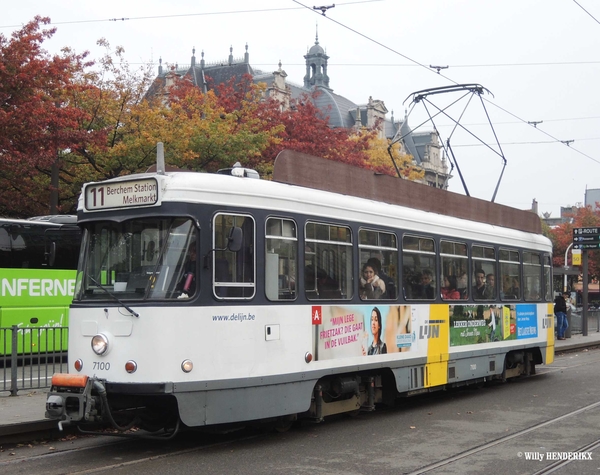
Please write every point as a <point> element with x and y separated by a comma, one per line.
<point>475,430</point>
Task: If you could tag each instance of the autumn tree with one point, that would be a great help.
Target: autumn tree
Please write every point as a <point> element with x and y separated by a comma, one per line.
<point>306,129</point>
<point>379,152</point>
<point>201,132</point>
<point>96,121</point>
<point>110,94</point>
<point>245,126</point>
<point>37,120</point>
<point>230,124</point>
<point>562,236</point>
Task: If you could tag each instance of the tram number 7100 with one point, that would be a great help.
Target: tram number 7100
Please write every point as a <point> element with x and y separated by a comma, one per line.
<point>101,366</point>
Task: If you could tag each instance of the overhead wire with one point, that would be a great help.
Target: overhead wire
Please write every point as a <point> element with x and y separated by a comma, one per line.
<point>454,66</point>
<point>593,17</point>
<point>398,53</point>
<point>160,17</point>
<point>438,73</point>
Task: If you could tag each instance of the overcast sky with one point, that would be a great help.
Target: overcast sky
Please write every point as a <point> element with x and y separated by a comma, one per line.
<point>539,58</point>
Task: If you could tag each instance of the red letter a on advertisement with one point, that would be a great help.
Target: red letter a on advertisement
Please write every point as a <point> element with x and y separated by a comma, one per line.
<point>317,316</point>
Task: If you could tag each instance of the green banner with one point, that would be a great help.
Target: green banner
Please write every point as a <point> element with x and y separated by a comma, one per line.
<point>41,329</point>
<point>36,287</point>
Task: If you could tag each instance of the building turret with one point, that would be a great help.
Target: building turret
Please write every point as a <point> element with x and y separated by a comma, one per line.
<point>316,67</point>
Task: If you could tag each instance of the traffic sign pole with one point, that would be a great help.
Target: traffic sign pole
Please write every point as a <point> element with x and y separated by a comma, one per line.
<point>584,239</point>
<point>584,313</point>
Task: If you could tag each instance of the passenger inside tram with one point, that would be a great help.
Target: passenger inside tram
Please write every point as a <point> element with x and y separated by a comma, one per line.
<point>390,284</point>
<point>449,290</point>
<point>514,291</point>
<point>320,285</point>
<point>426,288</point>
<point>371,285</point>
<point>490,283</point>
<point>188,279</point>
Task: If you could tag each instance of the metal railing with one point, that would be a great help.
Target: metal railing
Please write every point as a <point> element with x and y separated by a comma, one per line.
<point>30,356</point>
<point>576,321</point>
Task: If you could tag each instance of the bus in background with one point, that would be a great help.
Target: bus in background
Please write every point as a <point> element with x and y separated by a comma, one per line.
<point>38,262</point>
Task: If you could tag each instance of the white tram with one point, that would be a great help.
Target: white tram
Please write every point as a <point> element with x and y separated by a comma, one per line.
<point>217,299</point>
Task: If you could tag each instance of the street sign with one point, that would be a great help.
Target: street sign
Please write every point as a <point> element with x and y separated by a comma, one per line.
<point>586,231</point>
<point>581,239</point>
<point>595,245</point>
<point>586,238</point>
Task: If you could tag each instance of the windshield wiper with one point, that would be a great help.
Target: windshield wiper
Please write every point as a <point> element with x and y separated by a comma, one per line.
<point>129,309</point>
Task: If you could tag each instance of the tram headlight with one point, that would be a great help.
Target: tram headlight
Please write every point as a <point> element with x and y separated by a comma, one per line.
<point>187,366</point>
<point>100,344</point>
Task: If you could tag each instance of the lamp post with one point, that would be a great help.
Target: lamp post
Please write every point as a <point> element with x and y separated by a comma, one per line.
<point>566,266</point>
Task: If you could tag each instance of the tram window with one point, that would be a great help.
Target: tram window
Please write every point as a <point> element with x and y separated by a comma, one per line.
<point>328,272</point>
<point>510,275</point>
<point>532,276</point>
<point>484,272</point>
<point>453,256</point>
<point>119,258</point>
<point>281,259</point>
<point>547,278</point>
<point>176,268</point>
<point>233,272</point>
<point>418,268</point>
<point>378,264</point>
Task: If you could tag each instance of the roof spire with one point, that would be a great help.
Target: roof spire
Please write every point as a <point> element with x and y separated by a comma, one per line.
<point>316,66</point>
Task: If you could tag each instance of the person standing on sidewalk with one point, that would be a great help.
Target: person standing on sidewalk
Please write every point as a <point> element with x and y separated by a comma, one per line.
<point>560,310</point>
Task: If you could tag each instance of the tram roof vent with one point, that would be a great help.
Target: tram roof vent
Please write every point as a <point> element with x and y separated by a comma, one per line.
<point>239,171</point>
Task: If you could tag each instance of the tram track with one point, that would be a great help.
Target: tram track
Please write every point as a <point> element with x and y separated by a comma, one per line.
<point>112,455</point>
<point>555,466</point>
<point>120,448</point>
<point>501,440</point>
<point>151,458</point>
<point>133,449</point>
<point>137,453</point>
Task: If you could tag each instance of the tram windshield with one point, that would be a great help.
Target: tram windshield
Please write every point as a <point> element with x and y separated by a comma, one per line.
<point>138,259</point>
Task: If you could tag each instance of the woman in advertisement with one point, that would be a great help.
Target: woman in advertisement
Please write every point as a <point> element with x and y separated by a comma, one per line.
<point>378,347</point>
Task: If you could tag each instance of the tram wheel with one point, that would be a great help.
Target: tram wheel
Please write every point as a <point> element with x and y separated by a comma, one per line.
<point>285,423</point>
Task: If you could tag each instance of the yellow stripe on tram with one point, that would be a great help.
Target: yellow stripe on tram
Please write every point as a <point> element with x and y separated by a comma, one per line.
<point>550,334</point>
<point>438,345</point>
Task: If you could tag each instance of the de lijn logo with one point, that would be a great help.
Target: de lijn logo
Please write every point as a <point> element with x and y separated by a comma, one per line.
<point>431,329</point>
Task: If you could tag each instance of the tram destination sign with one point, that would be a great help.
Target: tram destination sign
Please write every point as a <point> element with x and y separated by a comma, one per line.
<point>121,194</point>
